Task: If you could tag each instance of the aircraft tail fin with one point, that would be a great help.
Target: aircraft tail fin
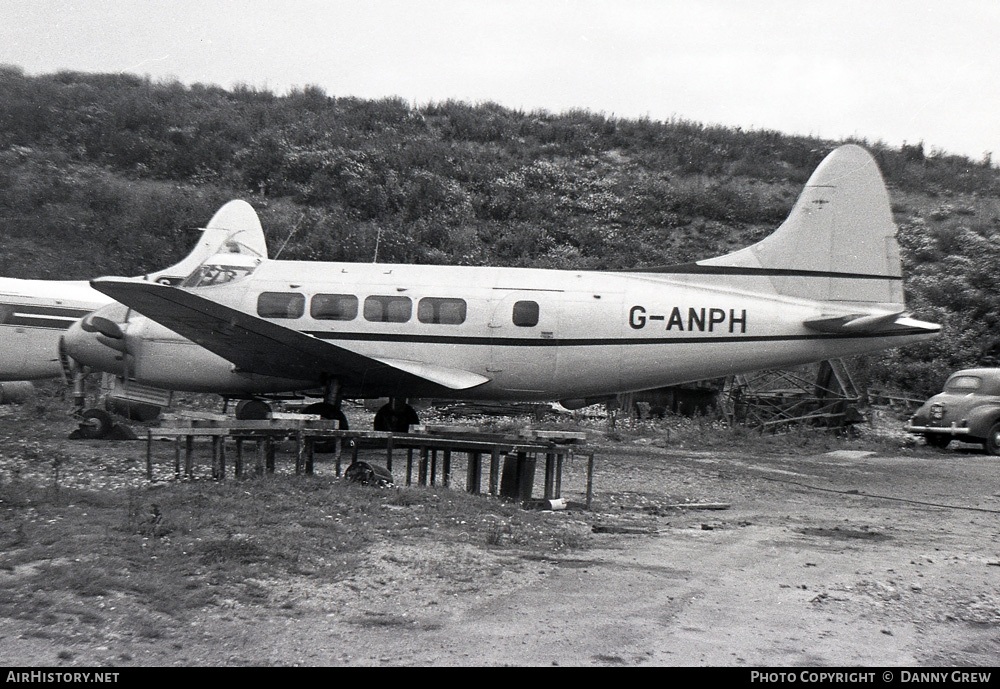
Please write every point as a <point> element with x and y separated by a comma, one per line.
<point>235,228</point>
<point>838,243</point>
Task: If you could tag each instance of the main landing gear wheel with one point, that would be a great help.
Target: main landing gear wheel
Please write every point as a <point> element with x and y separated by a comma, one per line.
<point>325,410</point>
<point>938,440</point>
<point>96,424</point>
<point>252,410</point>
<point>395,418</point>
<point>992,443</point>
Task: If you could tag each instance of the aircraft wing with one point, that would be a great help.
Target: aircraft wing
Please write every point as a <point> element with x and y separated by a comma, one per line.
<point>258,346</point>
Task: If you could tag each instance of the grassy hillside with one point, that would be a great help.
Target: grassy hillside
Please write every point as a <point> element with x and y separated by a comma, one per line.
<point>107,174</point>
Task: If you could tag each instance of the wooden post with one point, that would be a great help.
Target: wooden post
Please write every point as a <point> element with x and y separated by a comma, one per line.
<point>310,454</point>
<point>422,468</point>
<point>239,458</point>
<point>177,456</point>
<point>189,456</point>
<point>149,455</point>
<point>269,446</point>
<point>474,472</point>
<point>434,465</point>
<point>300,459</point>
<point>550,478</point>
<point>409,465</point>
<point>259,459</point>
<point>494,470</point>
<point>388,454</point>
<point>215,457</point>
<point>446,468</point>
<point>559,470</point>
<point>590,479</point>
<point>222,458</point>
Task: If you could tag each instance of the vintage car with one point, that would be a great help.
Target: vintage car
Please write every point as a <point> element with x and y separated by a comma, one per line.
<point>968,410</point>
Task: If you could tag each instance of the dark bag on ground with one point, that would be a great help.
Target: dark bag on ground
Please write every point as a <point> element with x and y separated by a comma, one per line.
<point>368,474</point>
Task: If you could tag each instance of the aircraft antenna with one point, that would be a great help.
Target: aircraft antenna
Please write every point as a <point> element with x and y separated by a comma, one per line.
<point>294,229</point>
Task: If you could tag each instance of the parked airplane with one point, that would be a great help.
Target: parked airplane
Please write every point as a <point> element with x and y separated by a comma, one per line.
<point>34,314</point>
<point>827,283</point>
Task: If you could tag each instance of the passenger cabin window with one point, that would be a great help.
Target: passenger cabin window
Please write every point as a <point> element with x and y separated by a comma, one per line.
<point>280,305</point>
<point>334,307</point>
<point>384,309</point>
<point>441,310</point>
<point>526,314</point>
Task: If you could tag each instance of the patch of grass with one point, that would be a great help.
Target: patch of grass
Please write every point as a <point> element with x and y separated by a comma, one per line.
<point>164,553</point>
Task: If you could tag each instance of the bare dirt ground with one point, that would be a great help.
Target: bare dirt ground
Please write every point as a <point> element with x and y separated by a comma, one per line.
<point>823,558</point>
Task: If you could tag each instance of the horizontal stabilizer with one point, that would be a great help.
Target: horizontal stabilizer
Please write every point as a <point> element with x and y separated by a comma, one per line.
<point>889,323</point>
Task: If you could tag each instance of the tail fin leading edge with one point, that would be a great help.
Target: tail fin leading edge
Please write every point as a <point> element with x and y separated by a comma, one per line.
<point>839,241</point>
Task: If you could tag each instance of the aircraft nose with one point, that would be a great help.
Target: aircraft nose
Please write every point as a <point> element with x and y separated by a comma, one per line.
<point>98,340</point>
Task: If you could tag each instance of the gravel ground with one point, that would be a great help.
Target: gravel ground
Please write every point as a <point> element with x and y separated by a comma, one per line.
<point>822,557</point>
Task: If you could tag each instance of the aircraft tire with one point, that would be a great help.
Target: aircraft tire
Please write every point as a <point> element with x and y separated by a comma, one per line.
<point>252,410</point>
<point>96,424</point>
<point>326,411</point>
<point>389,420</point>
<point>992,442</point>
<point>938,440</point>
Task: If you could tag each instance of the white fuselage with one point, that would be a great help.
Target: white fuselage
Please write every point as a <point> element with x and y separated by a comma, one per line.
<point>535,334</point>
<point>34,314</point>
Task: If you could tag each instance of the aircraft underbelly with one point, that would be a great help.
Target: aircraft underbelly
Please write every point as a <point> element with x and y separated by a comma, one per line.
<point>179,364</point>
<point>671,364</point>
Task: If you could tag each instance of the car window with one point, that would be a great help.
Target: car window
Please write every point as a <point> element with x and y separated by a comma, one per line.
<point>964,384</point>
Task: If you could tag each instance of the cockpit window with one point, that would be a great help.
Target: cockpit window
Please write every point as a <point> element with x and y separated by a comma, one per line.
<point>216,274</point>
<point>963,384</point>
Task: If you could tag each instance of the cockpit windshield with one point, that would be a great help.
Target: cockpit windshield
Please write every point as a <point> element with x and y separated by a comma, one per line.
<point>221,269</point>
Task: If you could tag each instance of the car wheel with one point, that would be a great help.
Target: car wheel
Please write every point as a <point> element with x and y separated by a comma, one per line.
<point>992,443</point>
<point>938,440</point>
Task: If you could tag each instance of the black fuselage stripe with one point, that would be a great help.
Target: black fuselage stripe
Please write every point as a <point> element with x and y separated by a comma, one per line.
<point>41,323</point>
<point>599,341</point>
<point>695,269</point>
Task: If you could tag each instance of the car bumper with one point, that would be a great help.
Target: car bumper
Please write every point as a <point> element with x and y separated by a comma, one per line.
<point>953,429</point>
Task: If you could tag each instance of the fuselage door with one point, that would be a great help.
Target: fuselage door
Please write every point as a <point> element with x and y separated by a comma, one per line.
<point>523,331</point>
